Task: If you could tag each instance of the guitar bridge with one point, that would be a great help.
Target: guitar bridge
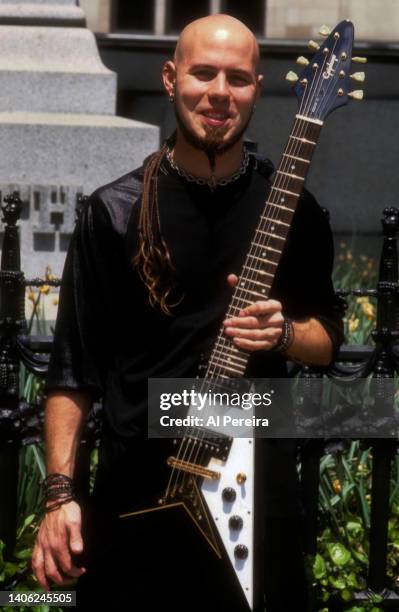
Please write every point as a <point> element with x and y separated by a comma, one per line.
<point>193,468</point>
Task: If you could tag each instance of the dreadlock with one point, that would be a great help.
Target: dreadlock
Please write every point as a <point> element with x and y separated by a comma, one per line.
<point>153,260</point>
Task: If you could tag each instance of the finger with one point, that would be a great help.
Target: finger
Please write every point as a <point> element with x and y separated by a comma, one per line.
<point>38,568</point>
<point>259,322</point>
<point>253,345</point>
<point>66,565</point>
<point>75,537</point>
<point>232,279</point>
<point>272,334</point>
<point>262,307</point>
<point>52,571</point>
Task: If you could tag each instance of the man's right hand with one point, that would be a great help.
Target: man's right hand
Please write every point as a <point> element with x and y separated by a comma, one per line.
<point>58,538</point>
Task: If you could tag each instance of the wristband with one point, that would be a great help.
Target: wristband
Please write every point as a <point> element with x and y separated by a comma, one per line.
<point>286,338</point>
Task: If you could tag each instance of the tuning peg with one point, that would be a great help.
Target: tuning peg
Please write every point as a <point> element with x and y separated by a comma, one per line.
<point>291,76</point>
<point>358,76</point>
<point>302,61</point>
<point>324,30</point>
<point>313,45</point>
<point>356,95</point>
<point>359,60</point>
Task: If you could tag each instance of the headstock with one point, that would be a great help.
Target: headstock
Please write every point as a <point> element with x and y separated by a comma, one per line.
<point>325,81</point>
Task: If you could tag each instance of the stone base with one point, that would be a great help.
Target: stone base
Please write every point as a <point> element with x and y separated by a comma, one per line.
<point>55,70</point>
<point>87,151</point>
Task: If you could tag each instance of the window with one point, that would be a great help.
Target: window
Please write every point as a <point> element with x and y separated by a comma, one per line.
<point>137,16</point>
<point>251,13</point>
<point>181,12</point>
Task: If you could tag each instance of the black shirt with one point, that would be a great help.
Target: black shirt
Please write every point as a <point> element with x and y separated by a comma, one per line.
<point>109,340</point>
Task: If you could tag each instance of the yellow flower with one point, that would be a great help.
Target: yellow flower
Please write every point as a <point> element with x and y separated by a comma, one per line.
<point>31,296</point>
<point>44,289</point>
<point>55,301</point>
<point>353,324</point>
<point>337,486</point>
<point>368,309</point>
<point>49,275</point>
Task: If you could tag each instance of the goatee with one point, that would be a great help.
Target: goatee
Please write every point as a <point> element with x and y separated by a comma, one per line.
<point>212,143</point>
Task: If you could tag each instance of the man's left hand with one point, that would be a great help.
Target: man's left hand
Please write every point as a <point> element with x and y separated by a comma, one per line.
<point>258,326</point>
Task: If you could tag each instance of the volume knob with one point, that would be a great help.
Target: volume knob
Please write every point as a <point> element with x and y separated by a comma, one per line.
<point>229,495</point>
<point>236,522</point>
<point>241,551</point>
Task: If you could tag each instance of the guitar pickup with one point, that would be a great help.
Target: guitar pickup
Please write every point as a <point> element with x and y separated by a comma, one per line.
<point>216,445</point>
<point>192,468</point>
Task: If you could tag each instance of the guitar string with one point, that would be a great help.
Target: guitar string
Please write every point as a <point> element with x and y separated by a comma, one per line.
<point>197,440</point>
<point>249,279</point>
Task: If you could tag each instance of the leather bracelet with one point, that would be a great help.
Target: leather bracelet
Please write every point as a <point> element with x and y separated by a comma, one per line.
<point>57,487</point>
<point>286,338</point>
<point>57,504</point>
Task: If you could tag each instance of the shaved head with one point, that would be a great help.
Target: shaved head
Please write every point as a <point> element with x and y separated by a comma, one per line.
<point>214,83</point>
<point>214,28</point>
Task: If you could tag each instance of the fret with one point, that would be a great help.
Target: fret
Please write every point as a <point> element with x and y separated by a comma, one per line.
<point>261,272</point>
<point>225,367</point>
<point>309,119</point>
<point>297,195</point>
<point>304,140</point>
<point>278,206</point>
<point>262,295</point>
<point>248,301</point>
<point>250,280</point>
<point>265,248</point>
<point>268,247</point>
<point>302,159</point>
<point>294,176</point>
<point>276,221</point>
<point>258,258</point>
<point>264,232</point>
<point>216,350</point>
<point>267,234</point>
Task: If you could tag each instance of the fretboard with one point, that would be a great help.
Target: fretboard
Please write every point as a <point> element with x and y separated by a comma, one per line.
<point>259,269</point>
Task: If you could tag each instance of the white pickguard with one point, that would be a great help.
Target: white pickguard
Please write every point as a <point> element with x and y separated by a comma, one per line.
<point>241,460</point>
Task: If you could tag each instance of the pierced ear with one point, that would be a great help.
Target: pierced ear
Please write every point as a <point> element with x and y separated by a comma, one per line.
<point>259,85</point>
<point>169,77</point>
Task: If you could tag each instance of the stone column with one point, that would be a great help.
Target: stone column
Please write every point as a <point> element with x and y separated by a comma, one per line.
<point>59,135</point>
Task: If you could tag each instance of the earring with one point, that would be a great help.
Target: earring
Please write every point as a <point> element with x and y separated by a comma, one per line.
<point>171,98</point>
<point>253,108</point>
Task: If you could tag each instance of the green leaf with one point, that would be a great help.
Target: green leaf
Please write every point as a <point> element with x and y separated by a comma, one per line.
<point>24,554</point>
<point>339,554</point>
<point>10,569</point>
<point>362,557</point>
<point>338,583</point>
<point>346,595</point>
<point>355,528</point>
<point>319,567</point>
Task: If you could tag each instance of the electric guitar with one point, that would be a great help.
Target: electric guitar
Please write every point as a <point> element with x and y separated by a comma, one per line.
<point>212,478</point>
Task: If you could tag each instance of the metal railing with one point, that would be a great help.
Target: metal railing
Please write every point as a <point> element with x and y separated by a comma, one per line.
<point>21,422</point>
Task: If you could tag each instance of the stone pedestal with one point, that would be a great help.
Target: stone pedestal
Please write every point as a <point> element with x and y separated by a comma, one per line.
<point>59,136</point>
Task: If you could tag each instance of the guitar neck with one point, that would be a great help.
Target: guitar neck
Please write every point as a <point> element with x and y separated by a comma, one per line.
<point>267,245</point>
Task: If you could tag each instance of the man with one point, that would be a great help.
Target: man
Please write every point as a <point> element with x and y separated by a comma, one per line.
<point>144,294</point>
